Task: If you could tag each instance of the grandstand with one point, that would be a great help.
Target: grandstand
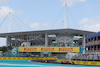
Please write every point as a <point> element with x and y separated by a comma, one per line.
<point>93,43</point>
<point>47,38</point>
<point>58,37</point>
<point>92,48</point>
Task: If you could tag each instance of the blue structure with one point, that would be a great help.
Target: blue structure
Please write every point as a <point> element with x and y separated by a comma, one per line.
<point>93,35</point>
<point>82,49</point>
<point>47,53</point>
<point>12,53</point>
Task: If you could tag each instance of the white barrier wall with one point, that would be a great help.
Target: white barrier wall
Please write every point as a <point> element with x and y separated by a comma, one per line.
<point>26,44</point>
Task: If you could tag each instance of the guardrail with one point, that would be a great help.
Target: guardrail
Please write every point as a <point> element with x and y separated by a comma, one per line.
<point>95,63</point>
<point>59,60</point>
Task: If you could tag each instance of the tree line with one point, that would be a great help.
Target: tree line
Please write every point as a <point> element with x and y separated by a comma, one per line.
<point>5,48</point>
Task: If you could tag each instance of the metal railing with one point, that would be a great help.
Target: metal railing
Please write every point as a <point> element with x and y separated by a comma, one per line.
<point>92,51</point>
<point>93,43</point>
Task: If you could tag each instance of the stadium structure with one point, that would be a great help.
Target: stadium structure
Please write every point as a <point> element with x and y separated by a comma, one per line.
<point>47,38</point>
<point>76,46</point>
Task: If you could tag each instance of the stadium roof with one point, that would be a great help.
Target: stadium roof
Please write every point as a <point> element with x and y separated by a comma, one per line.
<point>54,31</point>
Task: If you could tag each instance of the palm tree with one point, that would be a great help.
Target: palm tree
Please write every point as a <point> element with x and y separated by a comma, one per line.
<point>4,49</point>
<point>9,47</point>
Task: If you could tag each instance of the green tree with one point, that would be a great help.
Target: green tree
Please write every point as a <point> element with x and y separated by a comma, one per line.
<point>4,49</point>
<point>9,48</point>
<point>0,48</point>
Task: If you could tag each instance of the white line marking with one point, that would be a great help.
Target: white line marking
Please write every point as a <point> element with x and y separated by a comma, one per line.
<point>19,64</point>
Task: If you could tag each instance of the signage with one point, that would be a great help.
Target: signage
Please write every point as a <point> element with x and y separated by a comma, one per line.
<point>30,49</point>
<point>49,49</point>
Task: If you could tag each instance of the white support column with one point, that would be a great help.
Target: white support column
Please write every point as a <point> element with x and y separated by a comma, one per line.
<point>65,40</point>
<point>9,22</point>
<point>8,43</point>
<point>6,40</point>
<point>83,42</point>
<point>65,23</point>
<point>46,39</point>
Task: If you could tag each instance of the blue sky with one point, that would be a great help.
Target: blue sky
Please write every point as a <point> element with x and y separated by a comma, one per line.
<point>49,14</point>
